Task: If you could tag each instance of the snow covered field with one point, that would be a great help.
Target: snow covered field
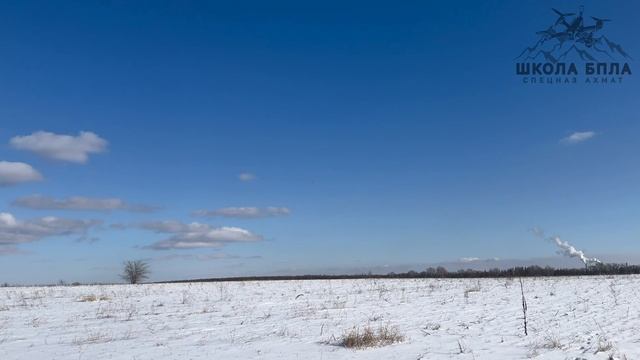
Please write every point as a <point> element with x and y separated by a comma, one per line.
<point>569,318</point>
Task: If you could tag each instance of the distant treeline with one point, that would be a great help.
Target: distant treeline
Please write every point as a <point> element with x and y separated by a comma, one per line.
<point>441,272</point>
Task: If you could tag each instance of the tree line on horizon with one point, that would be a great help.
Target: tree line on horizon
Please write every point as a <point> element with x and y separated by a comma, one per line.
<point>442,272</point>
<point>524,271</point>
<point>137,271</point>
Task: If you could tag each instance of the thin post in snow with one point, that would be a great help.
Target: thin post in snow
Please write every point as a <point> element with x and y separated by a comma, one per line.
<point>524,308</point>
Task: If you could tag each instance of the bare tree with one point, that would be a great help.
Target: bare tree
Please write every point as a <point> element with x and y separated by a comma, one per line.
<point>135,271</point>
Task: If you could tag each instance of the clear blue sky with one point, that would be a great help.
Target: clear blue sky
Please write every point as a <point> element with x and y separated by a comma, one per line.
<point>394,133</point>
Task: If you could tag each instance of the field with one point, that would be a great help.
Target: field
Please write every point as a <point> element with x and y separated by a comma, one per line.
<point>568,318</point>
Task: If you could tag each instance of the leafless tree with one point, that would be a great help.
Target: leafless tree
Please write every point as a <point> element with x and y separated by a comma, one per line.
<point>135,271</point>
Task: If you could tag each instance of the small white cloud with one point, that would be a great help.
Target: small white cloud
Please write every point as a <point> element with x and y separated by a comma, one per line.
<point>39,202</point>
<point>245,176</point>
<point>196,235</point>
<point>578,137</point>
<point>69,148</point>
<point>7,219</point>
<point>12,173</point>
<point>477,259</point>
<point>244,212</point>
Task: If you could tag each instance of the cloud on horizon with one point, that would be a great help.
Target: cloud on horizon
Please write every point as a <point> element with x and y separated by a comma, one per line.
<point>14,232</point>
<point>476,259</point>
<point>75,149</point>
<point>203,257</point>
<point>80,203</point>
<point>12,173</point>
<point>244,212</point>
<point>193,235</point>
<point>578,137</point>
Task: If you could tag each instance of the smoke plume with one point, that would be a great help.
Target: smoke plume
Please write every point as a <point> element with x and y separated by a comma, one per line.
<point>566,249</point>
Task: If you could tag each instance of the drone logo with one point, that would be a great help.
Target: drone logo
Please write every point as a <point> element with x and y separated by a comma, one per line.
<point>570,34</point>
<point>569,38</point>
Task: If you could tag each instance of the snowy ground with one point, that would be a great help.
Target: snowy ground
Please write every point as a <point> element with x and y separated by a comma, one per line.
<point>569,318</point>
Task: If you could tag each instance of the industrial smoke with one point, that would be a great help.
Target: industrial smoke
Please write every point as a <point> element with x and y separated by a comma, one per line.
<point>566,249</point>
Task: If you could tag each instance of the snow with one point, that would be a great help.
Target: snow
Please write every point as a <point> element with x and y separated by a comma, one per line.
<point>569,318</point>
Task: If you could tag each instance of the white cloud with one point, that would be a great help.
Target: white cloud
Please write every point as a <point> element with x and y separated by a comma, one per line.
<point>7,219</point>
<point>196,235</point>
<point>578,137</point>
<point>40,202</point>
<point>245,176</point>
<point>203,257</point>
<point>472,259</point>
<point>12,173</point>
<point>245,212</point>
<point>14,231</point>
<point>69,148</point>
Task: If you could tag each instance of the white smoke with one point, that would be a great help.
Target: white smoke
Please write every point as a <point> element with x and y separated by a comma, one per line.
<point>566,249</point>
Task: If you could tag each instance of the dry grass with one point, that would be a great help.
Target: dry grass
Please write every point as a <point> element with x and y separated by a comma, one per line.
<point>604,345</point>
<point>550,342</point>
<point>365,338</point>
<point>475,288</point>
<point>92,298</point>
<point>92,338</point>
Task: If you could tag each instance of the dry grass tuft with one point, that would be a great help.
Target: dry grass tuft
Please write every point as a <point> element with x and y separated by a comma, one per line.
<point>92,298</point>
<point>475,288</point>
<point>604,345</point>
<point>367,337</point>
<point>551,342</point>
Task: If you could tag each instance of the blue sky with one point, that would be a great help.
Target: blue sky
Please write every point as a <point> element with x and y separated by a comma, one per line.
<point>391,134</point>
